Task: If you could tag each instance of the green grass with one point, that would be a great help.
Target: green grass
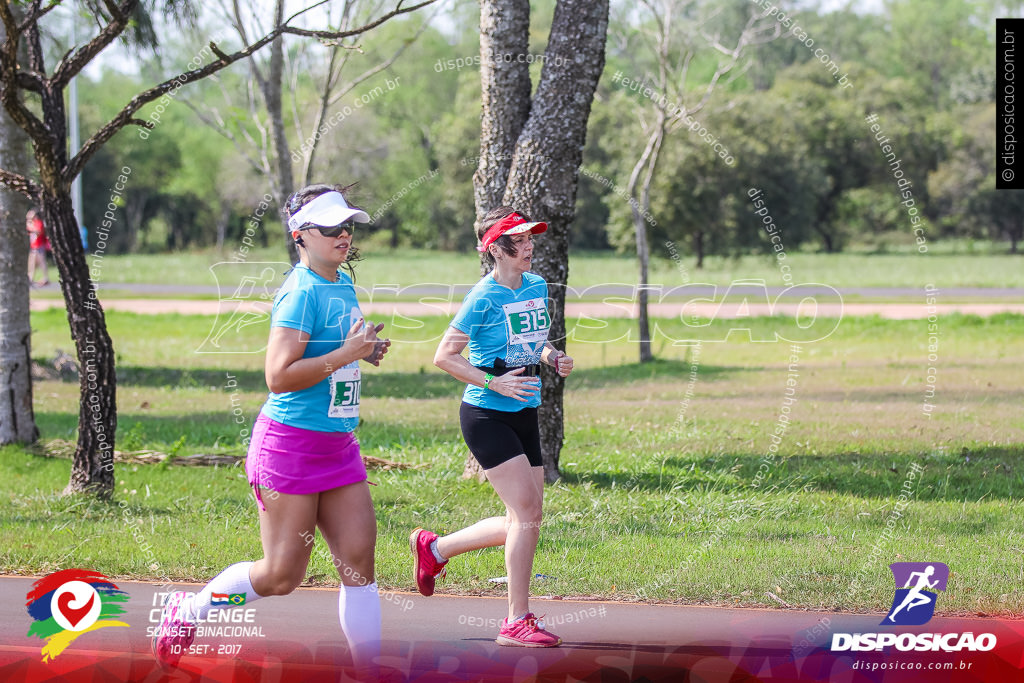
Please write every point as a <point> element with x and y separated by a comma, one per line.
<point>949,264</point>
<point>665,483</point>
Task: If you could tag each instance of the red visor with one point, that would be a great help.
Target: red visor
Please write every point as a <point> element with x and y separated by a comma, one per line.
<point>512,224</point>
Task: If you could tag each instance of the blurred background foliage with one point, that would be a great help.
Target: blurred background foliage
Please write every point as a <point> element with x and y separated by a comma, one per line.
<point>795,130</point>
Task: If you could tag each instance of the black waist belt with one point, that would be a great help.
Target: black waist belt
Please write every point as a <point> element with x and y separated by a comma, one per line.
<point>528,370</point>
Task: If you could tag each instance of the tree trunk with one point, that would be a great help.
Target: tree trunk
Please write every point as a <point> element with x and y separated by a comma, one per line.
<point>643,322</point>
<point>46,126</point>
<point>698,248</point>
<point>505,89</point>
<point>542,179</point>
<point>222,228</point>
<point>826,240</point>
<point>505,95</point>
<point>17,419</point>
<point>639,210</point>
<point>272,96</point>
<point>673,66</point>
<point>93,467</point>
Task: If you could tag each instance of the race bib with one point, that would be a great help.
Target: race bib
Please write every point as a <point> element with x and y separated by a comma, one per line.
<point>345,385</point>
<point>527,321</point>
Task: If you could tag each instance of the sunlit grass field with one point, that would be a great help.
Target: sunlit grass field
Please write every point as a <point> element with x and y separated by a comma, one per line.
<point>661,497</point>
<point>948,264</point>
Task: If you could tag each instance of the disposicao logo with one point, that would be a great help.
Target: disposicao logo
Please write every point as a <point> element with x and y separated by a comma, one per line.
<point>913,605</point>
<point>916,603</point>
<point>70,603</point>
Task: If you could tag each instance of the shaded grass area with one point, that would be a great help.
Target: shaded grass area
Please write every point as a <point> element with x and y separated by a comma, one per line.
<point>661,466</point>
<point>988,473</point>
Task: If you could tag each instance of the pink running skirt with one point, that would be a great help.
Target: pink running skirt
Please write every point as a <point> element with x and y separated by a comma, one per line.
<point>300,461</point>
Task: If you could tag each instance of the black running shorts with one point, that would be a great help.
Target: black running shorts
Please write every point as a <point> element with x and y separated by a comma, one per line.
<point>497,436</point>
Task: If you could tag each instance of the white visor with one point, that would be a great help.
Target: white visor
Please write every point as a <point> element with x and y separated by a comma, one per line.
<point>527,227</point>
<point>329,209</point>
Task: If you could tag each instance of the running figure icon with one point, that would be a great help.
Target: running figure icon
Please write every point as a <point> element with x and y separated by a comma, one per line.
<point>915,597</point>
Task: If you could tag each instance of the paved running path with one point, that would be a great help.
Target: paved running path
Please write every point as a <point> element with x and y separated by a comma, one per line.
<point>705,302</point>
<point>582,310</point>
<point>444,638</point>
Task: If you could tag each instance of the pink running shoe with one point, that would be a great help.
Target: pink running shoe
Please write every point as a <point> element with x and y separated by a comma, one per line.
<point>426,568</point>
<point>175,634</point>
<point>526,632</point>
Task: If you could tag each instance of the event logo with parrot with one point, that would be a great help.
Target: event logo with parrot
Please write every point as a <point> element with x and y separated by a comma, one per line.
<point>71,603</point>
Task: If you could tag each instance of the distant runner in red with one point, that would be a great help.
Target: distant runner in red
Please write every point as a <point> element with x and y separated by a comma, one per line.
<point>38,245</point>
<point>504,324</point>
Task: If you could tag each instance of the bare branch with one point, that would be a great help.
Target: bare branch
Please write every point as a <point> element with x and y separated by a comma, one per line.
<point>238,22</point>
<point>321,112</point>
<point>11,75</point>
<point>34,45</point>
<point>64,58</point>
<point>306,9</point>
<point>121,119</point>
<point>239,25</point>
<point>69,68</point>
<point>294,87</point>
<point>382,66</point>
<point>114,10</point>
<point>747,37</point>
<point>9,48</point>
<point>330,96</point>
<point>217,123</point>
<point>19,183</point>
<point>664,46</point>
<point>253,100</point>
<point>101,136</point>
<point>335,35</point>
<point>36,14</point>
<point>30,80</point>
<point>217,51</point>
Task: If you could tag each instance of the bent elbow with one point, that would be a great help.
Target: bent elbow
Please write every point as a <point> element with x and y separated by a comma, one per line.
<point>275,384</point>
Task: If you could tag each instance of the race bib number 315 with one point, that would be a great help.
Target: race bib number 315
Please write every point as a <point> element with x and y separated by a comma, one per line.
<point>527,321</point>
<point>345,385</point>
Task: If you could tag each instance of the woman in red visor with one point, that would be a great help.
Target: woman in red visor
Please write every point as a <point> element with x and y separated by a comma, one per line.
<point>504,323</point>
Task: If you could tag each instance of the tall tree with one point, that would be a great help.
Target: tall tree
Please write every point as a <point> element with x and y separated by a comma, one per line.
<point>34,99</point>
<point>679,31</point>
<point>17,420</point>
<point>531,148</point>
<point>270,153</point>
<point>958,26</point>
<point>964,184</point>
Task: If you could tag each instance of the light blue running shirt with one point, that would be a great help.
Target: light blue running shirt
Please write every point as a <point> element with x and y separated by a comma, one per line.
<point>325,311</point>
<point>508,324</point>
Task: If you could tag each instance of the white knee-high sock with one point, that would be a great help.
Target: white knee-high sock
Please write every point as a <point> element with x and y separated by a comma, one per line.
<point>359,613</point>
<point>223,591</point>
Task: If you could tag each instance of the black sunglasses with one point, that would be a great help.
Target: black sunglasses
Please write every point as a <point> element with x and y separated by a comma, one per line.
<point>347,226</point>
